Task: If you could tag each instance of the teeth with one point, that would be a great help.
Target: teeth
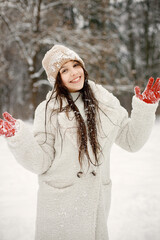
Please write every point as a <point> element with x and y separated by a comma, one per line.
<point>76,79</point>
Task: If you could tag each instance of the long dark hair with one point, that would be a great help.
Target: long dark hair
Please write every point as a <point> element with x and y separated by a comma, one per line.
<point>91,112</point>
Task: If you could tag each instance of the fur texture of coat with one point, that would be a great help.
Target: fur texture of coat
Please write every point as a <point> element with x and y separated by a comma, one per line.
<point>69,207</point>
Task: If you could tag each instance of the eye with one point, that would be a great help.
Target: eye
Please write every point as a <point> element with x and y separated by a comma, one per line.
<point>76,64</point>
<point>63,71</point>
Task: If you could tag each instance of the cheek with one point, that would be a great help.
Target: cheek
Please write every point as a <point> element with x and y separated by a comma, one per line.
<point>64,79</point>
<point>81,72</point>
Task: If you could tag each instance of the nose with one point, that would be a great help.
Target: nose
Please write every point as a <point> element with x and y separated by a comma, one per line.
<point>73,71</point>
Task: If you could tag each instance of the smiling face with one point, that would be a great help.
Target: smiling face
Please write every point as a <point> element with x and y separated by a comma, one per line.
<point>72,75</point>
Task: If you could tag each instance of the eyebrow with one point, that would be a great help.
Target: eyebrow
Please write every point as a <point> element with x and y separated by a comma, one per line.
<point>66,66</point>
<point>62,68</point>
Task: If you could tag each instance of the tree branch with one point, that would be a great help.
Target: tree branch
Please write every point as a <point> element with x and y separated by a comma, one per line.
<point>18,40</point>
<point>53,4</point>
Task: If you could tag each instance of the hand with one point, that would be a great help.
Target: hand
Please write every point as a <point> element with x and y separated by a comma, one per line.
<point>8,126</point>
<point>151,93</point>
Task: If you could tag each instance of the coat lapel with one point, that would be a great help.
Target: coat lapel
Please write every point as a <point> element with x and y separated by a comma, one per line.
<point>68,126</point>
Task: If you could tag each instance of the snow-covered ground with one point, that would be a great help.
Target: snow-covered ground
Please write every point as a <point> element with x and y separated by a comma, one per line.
<point>135,209</point>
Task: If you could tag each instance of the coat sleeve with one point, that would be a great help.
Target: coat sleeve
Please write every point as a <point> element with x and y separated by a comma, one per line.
<point>135,130</point>
<point>33,150</point>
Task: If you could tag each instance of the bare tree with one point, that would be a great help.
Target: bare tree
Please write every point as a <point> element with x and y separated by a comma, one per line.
<point>32,27</point>
<point>22,23</point>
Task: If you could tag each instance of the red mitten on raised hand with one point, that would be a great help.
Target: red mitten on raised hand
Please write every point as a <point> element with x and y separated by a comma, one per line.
<point>8,126</point>
<point>151,93</point>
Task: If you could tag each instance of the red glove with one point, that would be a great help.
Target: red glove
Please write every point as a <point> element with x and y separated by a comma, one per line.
<point>151,93</point>
<point>8,126</point>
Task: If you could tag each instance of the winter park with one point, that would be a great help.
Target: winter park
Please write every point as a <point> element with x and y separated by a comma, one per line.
<point>102,62</point>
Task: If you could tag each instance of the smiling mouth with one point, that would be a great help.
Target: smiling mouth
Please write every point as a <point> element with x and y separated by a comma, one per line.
<point>76,80</point>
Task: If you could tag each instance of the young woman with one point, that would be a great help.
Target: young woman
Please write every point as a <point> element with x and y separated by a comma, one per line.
<point>74,130</point>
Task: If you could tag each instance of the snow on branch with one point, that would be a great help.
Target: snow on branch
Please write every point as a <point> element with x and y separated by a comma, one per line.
<point>53,4</point>
<point>37,74</point>
<point>14,5</point>
<point>17,38</point>
<point>41,82</point>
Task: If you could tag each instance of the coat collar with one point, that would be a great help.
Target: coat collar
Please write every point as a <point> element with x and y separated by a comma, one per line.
<point>99,91</point>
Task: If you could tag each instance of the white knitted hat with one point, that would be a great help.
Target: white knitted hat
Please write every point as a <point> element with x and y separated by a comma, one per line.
<point>55,58</point>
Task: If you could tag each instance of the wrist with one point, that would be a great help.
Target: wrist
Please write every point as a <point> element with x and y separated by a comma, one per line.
<point>17,125</point>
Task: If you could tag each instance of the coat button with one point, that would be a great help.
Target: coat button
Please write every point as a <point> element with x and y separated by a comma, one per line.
<point>94,173</point>
<point>79,174</point>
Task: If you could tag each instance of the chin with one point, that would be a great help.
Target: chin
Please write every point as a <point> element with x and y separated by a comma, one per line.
<point>76,88</point>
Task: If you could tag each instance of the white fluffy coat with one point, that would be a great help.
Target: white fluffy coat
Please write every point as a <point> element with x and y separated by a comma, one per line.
<point>68,207</point>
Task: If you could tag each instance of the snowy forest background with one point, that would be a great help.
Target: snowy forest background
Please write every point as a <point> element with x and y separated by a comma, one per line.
<point>118,40</point>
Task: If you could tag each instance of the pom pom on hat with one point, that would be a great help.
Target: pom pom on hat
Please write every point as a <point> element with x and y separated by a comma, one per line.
<point>55,58</point>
